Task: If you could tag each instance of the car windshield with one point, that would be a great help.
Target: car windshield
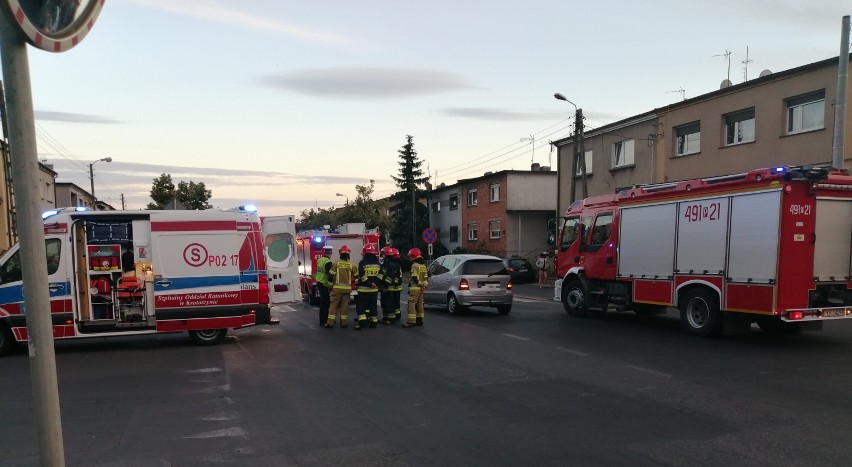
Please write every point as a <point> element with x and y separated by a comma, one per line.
<point>477,267</point>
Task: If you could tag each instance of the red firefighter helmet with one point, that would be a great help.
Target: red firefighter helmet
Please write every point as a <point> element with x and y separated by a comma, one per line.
<point>369,249</point>
<point>395,253</point>
<point>414,253</point>
<point>387,251</point>
<point>344,249</point>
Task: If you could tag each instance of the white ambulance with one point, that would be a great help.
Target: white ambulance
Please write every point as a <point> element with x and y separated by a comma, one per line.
<point>117,273</point>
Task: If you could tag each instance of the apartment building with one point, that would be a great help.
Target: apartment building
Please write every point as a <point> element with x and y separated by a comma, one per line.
<point>502,213</point>
<point>784,118</point>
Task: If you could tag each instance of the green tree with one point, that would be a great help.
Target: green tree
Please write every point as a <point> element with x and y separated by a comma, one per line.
<point>363,208</point>
<point>410,216</point>
<point>190,195</point>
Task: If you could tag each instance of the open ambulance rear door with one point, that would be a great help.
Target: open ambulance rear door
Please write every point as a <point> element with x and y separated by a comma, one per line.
<point>279,245</point>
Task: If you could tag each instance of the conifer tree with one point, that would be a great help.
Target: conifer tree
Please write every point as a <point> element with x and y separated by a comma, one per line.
<point>410,216</point>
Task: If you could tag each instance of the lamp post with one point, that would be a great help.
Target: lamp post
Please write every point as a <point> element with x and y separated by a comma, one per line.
<point>92,174</point>
<point>579,159</point>
<point>347,198</point>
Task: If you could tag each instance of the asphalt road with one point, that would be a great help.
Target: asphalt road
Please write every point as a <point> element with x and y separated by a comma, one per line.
<point>535,387</point>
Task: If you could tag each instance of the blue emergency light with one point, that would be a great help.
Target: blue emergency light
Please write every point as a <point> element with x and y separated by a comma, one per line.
<point>779,170</point>
<point>317,239</point>
<point>249,208</point>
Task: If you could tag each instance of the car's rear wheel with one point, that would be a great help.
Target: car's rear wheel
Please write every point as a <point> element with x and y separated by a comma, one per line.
<point>208,336</point>
<point>453,306</point>
<point>504,309</point>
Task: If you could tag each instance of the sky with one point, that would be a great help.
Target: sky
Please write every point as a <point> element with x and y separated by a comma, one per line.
<point>286,104</point>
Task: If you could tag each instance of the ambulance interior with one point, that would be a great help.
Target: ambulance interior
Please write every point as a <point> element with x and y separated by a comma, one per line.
<point>114,274</point>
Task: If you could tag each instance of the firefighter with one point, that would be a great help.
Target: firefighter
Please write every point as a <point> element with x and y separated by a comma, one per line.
<point>324,283</point>
<point>367,280</point>
<point>341,287</point>
<point>396,290</point>
<point>391,273</point>
<point>416,285</point>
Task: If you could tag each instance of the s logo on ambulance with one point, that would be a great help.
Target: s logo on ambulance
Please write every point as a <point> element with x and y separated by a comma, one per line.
<point>195,254</point>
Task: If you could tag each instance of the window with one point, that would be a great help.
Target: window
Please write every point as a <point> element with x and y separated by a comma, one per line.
<point>602,229</point>
<point>279,247</point>
<point>805,113</point>
<point>471,197</point>
<point>739,127</point>
<point>622,153</point>
<point>494,192</point>
<point>472,233</point>
<point>688,139</point>
<point>436,207</point>
<point>494,228</point>
<point>454,202</point>
<point>10,271</point>
<point>454,233</point>
<point>569,231</point>
<point>588,160</point>
<point>437,267</point>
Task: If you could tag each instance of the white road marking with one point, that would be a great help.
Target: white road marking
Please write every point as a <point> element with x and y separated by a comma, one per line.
<point>516,337</point>
<point>224,387</point>
<point>227,432</point>
<point>232,415</point>
<point>648,370</point>
<point>575,352</point>
<point>204,370</point>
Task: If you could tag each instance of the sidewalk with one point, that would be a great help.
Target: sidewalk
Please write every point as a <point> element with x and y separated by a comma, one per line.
<point>531,291</point>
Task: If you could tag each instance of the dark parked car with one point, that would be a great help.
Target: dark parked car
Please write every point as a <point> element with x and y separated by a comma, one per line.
<point>461,281</point>
<point>520,269</point>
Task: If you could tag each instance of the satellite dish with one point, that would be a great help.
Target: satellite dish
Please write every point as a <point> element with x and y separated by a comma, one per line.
<point>726,83</point>
<point>765,73</point>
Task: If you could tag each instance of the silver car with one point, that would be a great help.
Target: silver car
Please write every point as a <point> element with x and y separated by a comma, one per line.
<point>464,280</point>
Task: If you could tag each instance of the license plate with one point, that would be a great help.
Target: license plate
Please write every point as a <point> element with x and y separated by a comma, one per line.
<point>490,285</point>
<point>523,270</point>
<point>833,313</point>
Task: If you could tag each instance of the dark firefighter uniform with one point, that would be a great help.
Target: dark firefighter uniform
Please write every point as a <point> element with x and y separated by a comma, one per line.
<point>391,273</point>
<point>367,281</point>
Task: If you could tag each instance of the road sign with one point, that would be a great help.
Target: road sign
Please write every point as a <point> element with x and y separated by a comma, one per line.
<point>430,249</point>
<point>430,235</point>
<point>53,26</point>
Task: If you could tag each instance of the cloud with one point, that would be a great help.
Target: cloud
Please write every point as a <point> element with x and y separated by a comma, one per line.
<point>45,115</point>
<point>502,115</point>
<point>211,11</point>
<point>367,82</point>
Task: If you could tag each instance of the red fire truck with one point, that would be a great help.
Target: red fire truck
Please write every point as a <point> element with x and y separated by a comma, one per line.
<point>771,246</point>
<point>309,246</point>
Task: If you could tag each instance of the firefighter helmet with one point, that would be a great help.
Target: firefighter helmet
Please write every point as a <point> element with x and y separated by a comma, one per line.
<point>344,249</point>
<point>387,251</point>
<point>395,253</point>
<point>369,249</point>
<point>414,253</point>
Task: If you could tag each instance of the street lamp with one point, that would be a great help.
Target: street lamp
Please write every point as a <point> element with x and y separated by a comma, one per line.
<point>579,159</point>
<point>92,173</point>
<point>347,198</point>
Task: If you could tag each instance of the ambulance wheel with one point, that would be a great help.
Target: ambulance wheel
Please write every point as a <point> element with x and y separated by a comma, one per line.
<point>574,299</point>
<point>700,313</point>
<point>208,336</point>
<point>7,340</point>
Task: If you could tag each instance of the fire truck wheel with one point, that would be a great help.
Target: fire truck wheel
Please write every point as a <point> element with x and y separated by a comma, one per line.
<point>774,325</point>
<point>7,340</point>
<point>208,336</point>
<point>574,299</point>
<point>453,306</point>
<point>700,313</point>
<point>313,296</point>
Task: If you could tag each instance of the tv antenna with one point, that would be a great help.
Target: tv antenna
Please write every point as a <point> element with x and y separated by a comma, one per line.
<point>745,66</point>
<point>681,91</point>
<point>727,56</point>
